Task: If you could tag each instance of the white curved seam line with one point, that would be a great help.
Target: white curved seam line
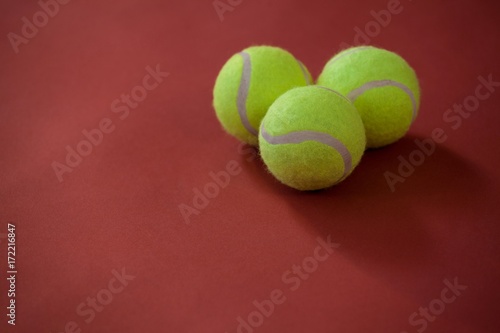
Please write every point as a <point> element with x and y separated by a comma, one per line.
<point>353,95</point>
<point>301,136</point>
<point>243,93</point>
<point>304,72</point>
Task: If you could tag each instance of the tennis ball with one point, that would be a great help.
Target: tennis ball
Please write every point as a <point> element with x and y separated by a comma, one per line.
<point>249,83</point>
<point>382,86</point>
<point>311,138</point>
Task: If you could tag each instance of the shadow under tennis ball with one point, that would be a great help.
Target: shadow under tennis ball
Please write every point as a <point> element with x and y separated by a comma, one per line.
<point>371,220</point>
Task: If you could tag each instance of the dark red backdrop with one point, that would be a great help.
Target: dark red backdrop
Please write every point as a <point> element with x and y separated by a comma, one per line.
<point>117,213</point>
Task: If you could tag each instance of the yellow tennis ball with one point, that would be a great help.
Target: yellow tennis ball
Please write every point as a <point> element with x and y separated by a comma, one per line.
<point>382,86</point>
<point>311,138</point>
<point>249,83</point>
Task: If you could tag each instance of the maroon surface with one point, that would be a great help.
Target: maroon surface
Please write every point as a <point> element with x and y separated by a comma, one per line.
<point>118,210</point>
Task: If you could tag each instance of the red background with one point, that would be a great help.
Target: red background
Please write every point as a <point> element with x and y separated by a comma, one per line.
<point>120,207</point>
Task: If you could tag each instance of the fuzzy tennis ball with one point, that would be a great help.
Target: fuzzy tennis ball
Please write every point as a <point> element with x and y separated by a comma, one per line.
<point>311,138</point>
<point>249,83</point>
<point>382,86</point>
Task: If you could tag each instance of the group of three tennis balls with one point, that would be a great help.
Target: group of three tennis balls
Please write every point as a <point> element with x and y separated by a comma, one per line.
<point>312,136</point>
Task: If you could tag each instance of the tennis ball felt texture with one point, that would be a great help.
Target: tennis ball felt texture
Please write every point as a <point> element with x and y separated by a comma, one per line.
<point>249,83</point>
<point>382,86</point>
<point>311,138</point>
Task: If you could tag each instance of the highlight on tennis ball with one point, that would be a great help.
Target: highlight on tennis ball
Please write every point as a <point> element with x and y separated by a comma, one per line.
<point>312,138</point>
<point>249,83</point>
<point>382,86</point>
